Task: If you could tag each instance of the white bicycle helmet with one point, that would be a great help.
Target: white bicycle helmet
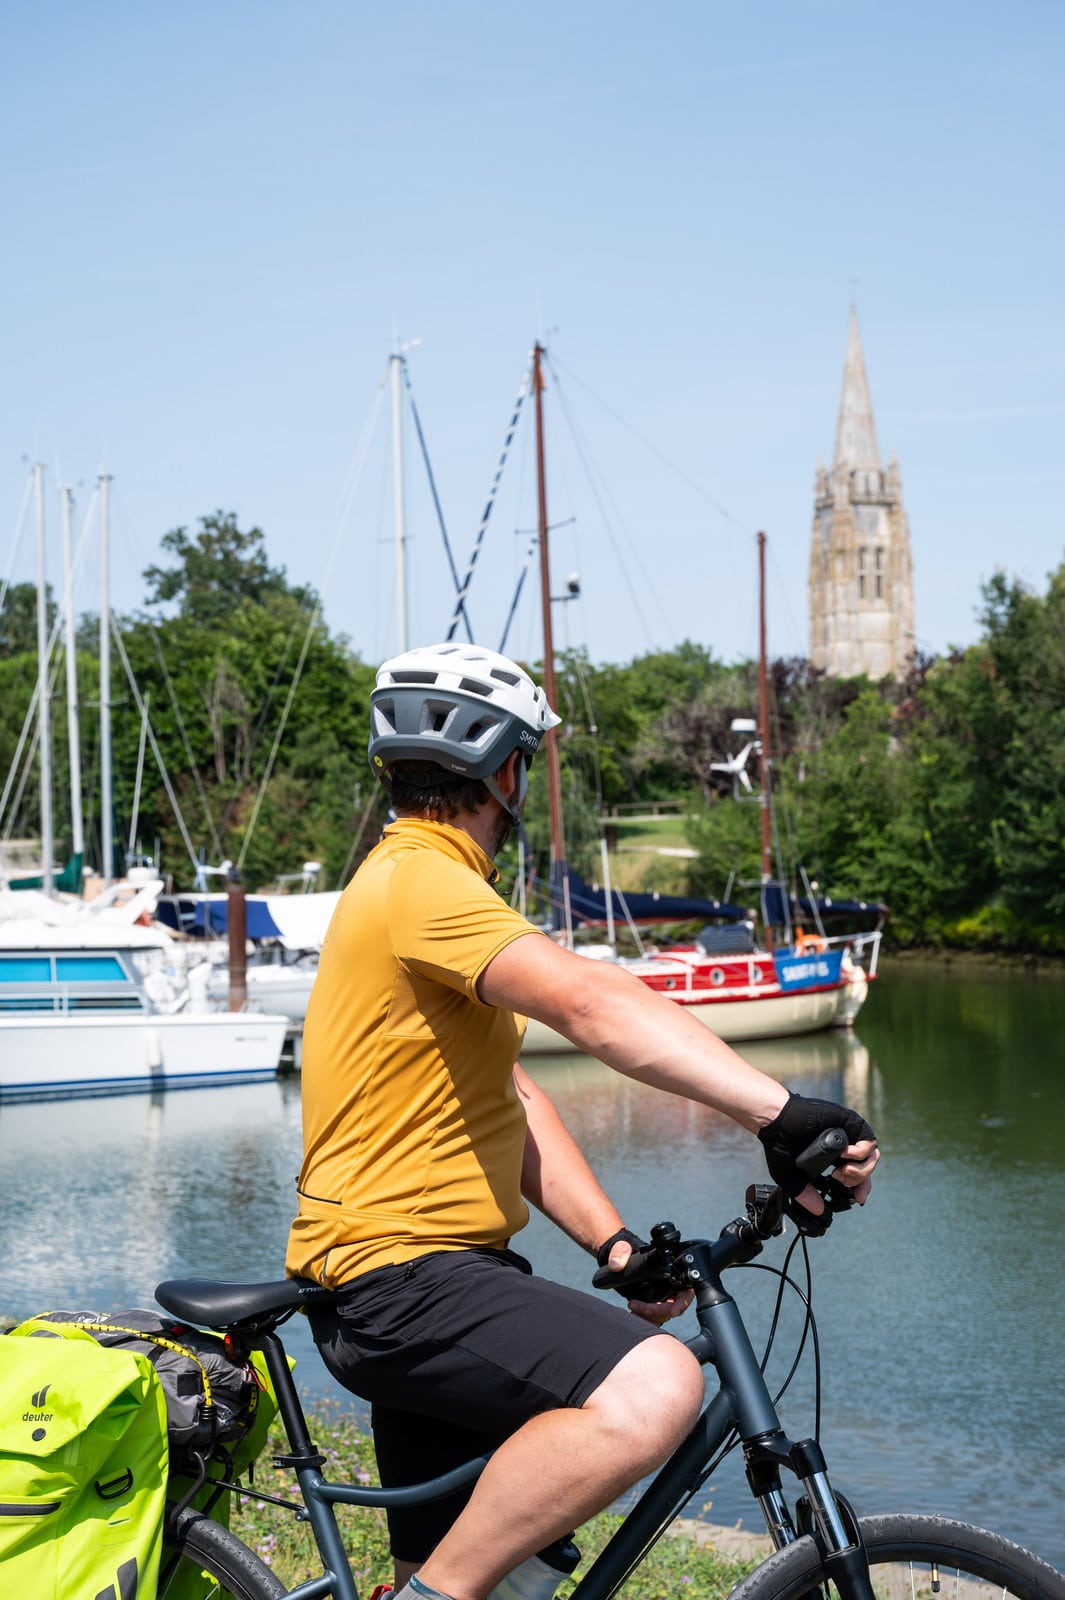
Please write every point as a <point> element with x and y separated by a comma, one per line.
<point>460,706</point>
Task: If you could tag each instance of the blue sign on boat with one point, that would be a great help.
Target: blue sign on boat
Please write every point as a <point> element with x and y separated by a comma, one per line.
<point>811,970</point>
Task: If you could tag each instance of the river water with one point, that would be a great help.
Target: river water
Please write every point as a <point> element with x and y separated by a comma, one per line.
<point>939,1306</point>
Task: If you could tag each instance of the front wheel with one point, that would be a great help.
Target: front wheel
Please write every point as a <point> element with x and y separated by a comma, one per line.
<point>915,1557</point>
<point>210,1548</point>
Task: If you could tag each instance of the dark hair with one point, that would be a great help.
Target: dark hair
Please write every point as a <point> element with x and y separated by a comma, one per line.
<point>422,789</point>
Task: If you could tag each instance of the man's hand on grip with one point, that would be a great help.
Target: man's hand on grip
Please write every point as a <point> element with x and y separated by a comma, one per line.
<point>796,1126</point>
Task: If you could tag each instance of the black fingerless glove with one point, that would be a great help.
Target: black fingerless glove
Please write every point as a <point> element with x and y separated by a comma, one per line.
<point>795,1127</point>
<point>650,1288</point>
<point>602,1255</point>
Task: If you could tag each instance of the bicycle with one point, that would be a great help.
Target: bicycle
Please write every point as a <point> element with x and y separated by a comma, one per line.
<point>825,1542</point>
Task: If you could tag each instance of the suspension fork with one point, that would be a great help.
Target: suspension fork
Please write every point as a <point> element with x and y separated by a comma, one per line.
<point>832,1524</point>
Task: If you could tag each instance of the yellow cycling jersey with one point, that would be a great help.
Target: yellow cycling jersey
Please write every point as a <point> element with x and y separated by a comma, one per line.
<point>413,1132</point>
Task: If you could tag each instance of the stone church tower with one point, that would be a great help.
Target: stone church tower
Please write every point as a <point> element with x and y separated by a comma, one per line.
<point>861,576</point>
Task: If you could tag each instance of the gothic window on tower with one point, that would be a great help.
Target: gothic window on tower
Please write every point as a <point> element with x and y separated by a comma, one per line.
<point>861,572</point>
<point>879,573</point>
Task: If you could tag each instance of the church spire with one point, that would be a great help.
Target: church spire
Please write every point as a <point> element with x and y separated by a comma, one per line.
<point>856,444</point>
<point>860,585</point>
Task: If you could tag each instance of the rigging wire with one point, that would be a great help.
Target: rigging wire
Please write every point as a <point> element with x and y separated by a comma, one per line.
<point>585,459</point>
<point>186,743</point>
<point>30,719</point>
<point>268,773</point>
<point>158,754</point>
<point>517,595</point>
<point>436,498</point>
<point>655,451</point>
<point>260,724</point>
<point>460,599</point>
<point>367,812</point>
<point>125,523</point>
<point>347,497</point>
<point>16,538</point>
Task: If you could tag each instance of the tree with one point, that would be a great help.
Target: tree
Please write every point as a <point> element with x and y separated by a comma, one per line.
<point>18,619</point>
<point>218,568</point>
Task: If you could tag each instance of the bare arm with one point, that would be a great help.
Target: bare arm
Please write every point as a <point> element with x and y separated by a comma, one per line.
<point>556,1178</point>
<point>558,1181</point>
<point>608,1013</point>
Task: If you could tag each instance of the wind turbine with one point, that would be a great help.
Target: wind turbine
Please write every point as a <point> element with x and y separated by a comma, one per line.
<point>735,767</point>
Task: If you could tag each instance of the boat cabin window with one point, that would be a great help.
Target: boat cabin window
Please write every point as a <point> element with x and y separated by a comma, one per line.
<point>25,969</point>
<point>90,969</point>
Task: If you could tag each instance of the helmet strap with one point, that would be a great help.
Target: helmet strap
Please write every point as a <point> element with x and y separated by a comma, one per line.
<point>512,804</point>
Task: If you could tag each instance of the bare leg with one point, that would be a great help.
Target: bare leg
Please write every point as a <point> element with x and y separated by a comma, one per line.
<point>563,1466</point>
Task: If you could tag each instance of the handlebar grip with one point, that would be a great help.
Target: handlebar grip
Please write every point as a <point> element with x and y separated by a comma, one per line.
<point>636,1267</point>
<point>824,1152</point>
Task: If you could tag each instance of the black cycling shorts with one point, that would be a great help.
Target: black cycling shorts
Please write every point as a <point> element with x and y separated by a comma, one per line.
<point>454,1351</point>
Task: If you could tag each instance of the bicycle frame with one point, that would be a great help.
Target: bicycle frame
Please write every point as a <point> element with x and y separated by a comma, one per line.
<point>742,1404</point>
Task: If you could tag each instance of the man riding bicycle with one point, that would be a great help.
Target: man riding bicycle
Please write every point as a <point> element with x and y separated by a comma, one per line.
<point>423,1141</point>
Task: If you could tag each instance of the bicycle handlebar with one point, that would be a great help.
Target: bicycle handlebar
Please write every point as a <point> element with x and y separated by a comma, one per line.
<point>661,1271</point>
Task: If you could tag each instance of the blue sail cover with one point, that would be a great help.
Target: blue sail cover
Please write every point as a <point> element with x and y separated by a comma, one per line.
<point>205,917</point>
<point>588,906</point>
<point>827,908</point>
<point>782,909</point>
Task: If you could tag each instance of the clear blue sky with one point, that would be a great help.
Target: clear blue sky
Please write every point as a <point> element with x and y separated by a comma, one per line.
<point>216,217</point>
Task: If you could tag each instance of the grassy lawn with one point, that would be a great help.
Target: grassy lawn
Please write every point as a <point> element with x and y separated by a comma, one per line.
<point>656,833</point>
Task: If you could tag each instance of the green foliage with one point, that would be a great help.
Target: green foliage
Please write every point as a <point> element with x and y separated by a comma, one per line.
<point>216,569</point>
<point>18,619</point>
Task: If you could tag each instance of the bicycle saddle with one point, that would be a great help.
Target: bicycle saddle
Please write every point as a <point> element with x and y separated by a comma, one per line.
<point>224,1305</point>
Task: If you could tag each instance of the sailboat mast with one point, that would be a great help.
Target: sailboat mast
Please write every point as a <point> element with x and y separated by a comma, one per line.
<point>396,362</point>
<point>44,726</point>
<point>765,802</point>
<point>763,717</point>
<point>107,843</point>
<point>554,767</point>
<point>77,827</point>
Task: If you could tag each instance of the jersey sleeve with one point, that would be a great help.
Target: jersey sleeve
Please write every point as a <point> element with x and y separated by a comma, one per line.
<point>447,923</point>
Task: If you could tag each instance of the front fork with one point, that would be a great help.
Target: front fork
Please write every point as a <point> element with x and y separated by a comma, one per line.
<point>827,1519</point>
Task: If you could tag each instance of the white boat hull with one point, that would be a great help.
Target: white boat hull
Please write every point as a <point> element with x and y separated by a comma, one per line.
<point>46,1056</point>
<point>772,1016</point>
<point>272,987</point>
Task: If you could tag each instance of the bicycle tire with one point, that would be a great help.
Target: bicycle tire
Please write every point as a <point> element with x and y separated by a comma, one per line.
<point>222,1555</point>
<point>910,1544</point>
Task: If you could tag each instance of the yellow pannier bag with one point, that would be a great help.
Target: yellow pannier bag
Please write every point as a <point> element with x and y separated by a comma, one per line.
<point>83,1467</point>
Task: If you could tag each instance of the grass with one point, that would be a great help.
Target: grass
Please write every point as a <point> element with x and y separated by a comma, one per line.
<point>679,1566</point>
<point>663,833</point>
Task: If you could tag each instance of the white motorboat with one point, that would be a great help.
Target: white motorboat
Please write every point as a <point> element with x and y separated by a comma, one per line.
<point>92,1008</point>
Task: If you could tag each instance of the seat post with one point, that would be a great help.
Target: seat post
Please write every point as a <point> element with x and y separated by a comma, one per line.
<point>288,1400</point>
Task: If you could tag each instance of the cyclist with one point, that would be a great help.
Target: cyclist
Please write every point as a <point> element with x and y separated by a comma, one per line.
<point>423,1141</point>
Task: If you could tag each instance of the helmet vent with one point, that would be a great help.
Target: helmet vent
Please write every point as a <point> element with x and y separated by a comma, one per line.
<point>436,715</point>
<point>505,677</point>
<point>421,676</point>
<point>473,686</point>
